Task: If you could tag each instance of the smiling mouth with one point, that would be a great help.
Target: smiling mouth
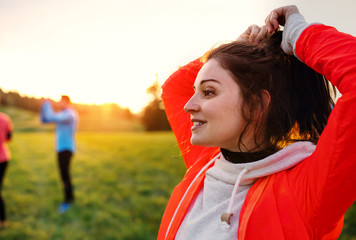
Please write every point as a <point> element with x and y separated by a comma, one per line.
<point>197,124</point>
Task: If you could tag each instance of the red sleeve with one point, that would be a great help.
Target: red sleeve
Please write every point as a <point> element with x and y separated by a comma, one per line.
<point>325,182</point>
<point>177,90</point>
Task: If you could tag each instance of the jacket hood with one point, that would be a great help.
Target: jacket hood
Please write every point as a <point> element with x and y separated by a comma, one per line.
<point>282,160</point>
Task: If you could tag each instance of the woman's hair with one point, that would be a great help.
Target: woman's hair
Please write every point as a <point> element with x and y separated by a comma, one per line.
<point>300,101</point>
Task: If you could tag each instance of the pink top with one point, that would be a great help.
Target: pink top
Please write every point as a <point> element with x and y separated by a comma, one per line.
<point>5,129</point>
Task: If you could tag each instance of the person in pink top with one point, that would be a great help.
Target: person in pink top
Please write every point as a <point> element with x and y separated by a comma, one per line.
<point>5,136</point>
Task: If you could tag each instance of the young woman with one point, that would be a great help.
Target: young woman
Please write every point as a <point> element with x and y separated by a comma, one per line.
<point>268,154</point>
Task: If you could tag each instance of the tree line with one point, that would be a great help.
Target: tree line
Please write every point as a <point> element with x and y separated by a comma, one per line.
<point>105,117</point>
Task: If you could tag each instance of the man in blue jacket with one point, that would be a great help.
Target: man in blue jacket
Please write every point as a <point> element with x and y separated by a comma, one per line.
<point>66,120</point>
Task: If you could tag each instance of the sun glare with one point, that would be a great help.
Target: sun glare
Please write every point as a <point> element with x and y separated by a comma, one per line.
<point>123,98</point>
<point>108,52</point>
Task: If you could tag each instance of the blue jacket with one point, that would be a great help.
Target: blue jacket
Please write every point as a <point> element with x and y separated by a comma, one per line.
<point>66,125</point>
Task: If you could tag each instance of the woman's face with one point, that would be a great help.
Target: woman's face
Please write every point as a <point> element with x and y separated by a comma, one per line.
<point>215,109</point>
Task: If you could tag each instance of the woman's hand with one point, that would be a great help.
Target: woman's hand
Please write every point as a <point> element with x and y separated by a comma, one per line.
<point>254,34</point>
<point>279,16</point>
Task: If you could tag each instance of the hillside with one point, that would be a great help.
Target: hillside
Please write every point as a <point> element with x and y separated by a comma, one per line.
<point>27,121</point>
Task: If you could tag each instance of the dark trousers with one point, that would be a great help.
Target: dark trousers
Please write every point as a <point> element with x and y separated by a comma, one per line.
<point>3,166</point>
<point>64,158</point>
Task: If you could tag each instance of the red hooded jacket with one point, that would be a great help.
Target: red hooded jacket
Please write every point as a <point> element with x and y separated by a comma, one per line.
<point>307,201</point>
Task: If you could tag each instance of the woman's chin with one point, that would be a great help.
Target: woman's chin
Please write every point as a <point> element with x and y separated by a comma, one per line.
<point>197,142</point>
<point>200,142</point>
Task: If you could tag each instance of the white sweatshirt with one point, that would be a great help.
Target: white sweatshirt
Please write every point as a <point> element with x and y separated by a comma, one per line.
<point>203,218</point>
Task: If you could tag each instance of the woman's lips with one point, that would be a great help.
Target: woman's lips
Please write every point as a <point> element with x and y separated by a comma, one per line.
<point>197,124</point>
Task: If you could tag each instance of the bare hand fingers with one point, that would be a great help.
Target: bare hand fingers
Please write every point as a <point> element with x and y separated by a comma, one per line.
<point>279,16</point>
<point>245,36</point>
<point>254,31</point>
<point>254,34</point>
<point>262,34</point>
<point>272,21</point>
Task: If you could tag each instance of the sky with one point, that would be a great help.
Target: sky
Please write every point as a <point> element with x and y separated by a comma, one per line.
<point>111,51</point>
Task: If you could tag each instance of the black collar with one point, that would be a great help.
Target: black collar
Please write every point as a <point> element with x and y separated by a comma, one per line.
<point>246,157</point>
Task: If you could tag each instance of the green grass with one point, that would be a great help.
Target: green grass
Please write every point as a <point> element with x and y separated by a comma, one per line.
<point>122,184</point>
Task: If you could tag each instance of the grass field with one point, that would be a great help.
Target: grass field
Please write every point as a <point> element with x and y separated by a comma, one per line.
<point>122,185</point>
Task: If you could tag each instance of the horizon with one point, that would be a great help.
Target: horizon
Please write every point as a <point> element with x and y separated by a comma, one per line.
<point>58,99</point>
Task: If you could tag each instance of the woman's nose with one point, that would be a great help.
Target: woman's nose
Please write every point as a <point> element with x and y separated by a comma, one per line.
<point>191,105</point>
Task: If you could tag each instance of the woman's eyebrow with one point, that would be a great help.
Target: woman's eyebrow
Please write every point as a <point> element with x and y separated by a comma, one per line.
<point>209,80</point>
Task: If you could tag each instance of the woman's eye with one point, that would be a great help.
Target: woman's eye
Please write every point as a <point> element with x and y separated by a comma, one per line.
<point>208,92</point>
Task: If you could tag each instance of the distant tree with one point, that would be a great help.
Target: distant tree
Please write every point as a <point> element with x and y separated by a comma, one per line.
<point>153,116</point>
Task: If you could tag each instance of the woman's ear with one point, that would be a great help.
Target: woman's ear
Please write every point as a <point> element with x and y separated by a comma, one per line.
<point>261,105</point>
<point>261,116</point>
<point>266,99</point>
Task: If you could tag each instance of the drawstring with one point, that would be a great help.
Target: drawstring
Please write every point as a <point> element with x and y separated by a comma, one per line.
<point>225,217</point>
<point>200,172</point>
